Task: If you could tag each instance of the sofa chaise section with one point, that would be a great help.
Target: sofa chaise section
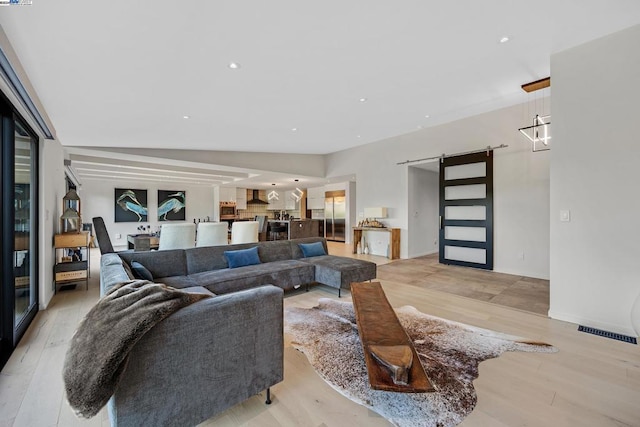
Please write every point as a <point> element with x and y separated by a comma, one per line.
<point>201,360</point>
<point>334,271</point>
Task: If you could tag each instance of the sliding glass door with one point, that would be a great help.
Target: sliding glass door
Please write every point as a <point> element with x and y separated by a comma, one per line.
<point>19,259</point>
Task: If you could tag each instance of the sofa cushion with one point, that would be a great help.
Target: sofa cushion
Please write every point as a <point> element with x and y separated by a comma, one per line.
<point>111,272</point>
<point>242,257</point>
<point>287,274</point>
<point>207,258</point>
<point>178,282</point>
<point>159,263</point>
<point>198,290</point>
<point>278,250</point>
<point>140,271</point>
<point>312,249</point>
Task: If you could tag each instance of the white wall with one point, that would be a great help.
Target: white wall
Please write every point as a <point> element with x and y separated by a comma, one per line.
<point>423,211</point>
<point>52,190</point>
<point>521,182</point>
<point>595,171</point>
<point>98,200</point>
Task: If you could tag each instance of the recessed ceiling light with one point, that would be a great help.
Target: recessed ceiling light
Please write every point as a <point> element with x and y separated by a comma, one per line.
<point>426,116</point>
<point>234,65</point>
<point>294,129</point>
<point>363,99</point>
<point>359,136</point>
<point>504,39</point>
<point>186,117</point>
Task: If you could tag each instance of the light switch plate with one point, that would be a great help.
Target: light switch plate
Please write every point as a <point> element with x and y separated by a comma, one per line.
<point>565,216</point>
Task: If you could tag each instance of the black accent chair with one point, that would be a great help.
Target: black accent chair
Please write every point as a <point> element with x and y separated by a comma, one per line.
<point>104,242</point>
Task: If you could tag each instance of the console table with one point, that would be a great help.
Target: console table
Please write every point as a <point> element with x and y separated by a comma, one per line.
<point>67,269</point>
<point>394,240</point>
<point>142,242</point>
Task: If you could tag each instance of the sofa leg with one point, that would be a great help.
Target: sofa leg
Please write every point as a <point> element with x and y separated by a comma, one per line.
<point>339,290</point>
<point>268,401</point>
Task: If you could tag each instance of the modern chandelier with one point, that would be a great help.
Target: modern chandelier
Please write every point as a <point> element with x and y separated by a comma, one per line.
<point>539,133</point>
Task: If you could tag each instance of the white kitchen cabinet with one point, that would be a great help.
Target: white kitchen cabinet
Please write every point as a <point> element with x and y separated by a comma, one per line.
<point>290,202</point>
<point>228,194</point>
<point>241,198</point>
<point>315,198</point>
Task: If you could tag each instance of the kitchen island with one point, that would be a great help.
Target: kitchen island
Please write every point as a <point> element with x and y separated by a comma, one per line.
<point>294,228</point>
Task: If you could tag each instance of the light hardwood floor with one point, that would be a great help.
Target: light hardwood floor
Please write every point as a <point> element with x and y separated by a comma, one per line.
<point>592,381</point>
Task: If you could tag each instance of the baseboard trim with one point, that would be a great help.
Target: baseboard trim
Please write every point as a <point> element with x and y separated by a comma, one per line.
<point>579,320</point>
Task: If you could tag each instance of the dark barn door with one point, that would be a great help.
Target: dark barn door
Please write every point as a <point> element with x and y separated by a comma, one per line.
<point>466,210</point>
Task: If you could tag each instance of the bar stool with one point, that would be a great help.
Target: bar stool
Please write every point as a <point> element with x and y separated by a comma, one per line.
<point>277,229</point>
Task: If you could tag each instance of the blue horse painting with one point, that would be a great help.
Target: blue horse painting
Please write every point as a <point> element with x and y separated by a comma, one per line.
<point>171,205</point>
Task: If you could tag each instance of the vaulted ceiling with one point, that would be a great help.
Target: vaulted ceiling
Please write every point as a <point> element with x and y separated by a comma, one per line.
<point>287,76</point>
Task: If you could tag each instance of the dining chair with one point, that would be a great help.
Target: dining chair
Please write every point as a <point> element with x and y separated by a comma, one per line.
<point>104,241</point>
<point>212,234</point>
<point>263,227</point>
<point>177,236</point>
<point>244,232</point>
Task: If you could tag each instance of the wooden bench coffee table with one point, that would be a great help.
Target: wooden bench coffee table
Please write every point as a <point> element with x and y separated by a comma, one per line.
<point>392,361</point>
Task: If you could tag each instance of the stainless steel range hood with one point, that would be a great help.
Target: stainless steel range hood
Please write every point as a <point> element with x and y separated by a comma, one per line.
<point>255,199</point>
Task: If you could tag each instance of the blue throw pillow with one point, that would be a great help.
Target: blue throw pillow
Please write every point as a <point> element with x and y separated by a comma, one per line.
<point>140,271</point>
<point>243,257</point>
<point>312,249</point>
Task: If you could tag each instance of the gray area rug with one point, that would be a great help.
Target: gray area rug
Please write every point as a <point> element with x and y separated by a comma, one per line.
<point>449,351</point>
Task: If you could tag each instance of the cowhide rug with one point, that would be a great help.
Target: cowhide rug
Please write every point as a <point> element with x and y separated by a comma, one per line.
<point>449,351</point>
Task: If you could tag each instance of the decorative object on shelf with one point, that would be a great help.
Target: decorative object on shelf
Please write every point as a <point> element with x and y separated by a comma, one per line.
<point>70,220</point>
<point>131,205</point>
<point>366,250</point>
<point>372,215</point>
<point>145,229</point>
<point>539,133</point>
<point>171,205</point>
<point>371,223</point>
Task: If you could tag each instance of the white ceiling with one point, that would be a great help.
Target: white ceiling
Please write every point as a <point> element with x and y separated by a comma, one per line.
<point>123,74</point>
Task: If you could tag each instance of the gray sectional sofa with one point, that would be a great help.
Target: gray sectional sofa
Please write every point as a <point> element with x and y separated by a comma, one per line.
<point>281,263</point>
<point>220,351</point>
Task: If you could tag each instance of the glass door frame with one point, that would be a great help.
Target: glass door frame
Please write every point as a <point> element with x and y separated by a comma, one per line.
<point>10,331</point>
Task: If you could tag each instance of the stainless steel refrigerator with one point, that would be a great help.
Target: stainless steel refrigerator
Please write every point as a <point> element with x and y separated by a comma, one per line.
<point>335,215</point>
